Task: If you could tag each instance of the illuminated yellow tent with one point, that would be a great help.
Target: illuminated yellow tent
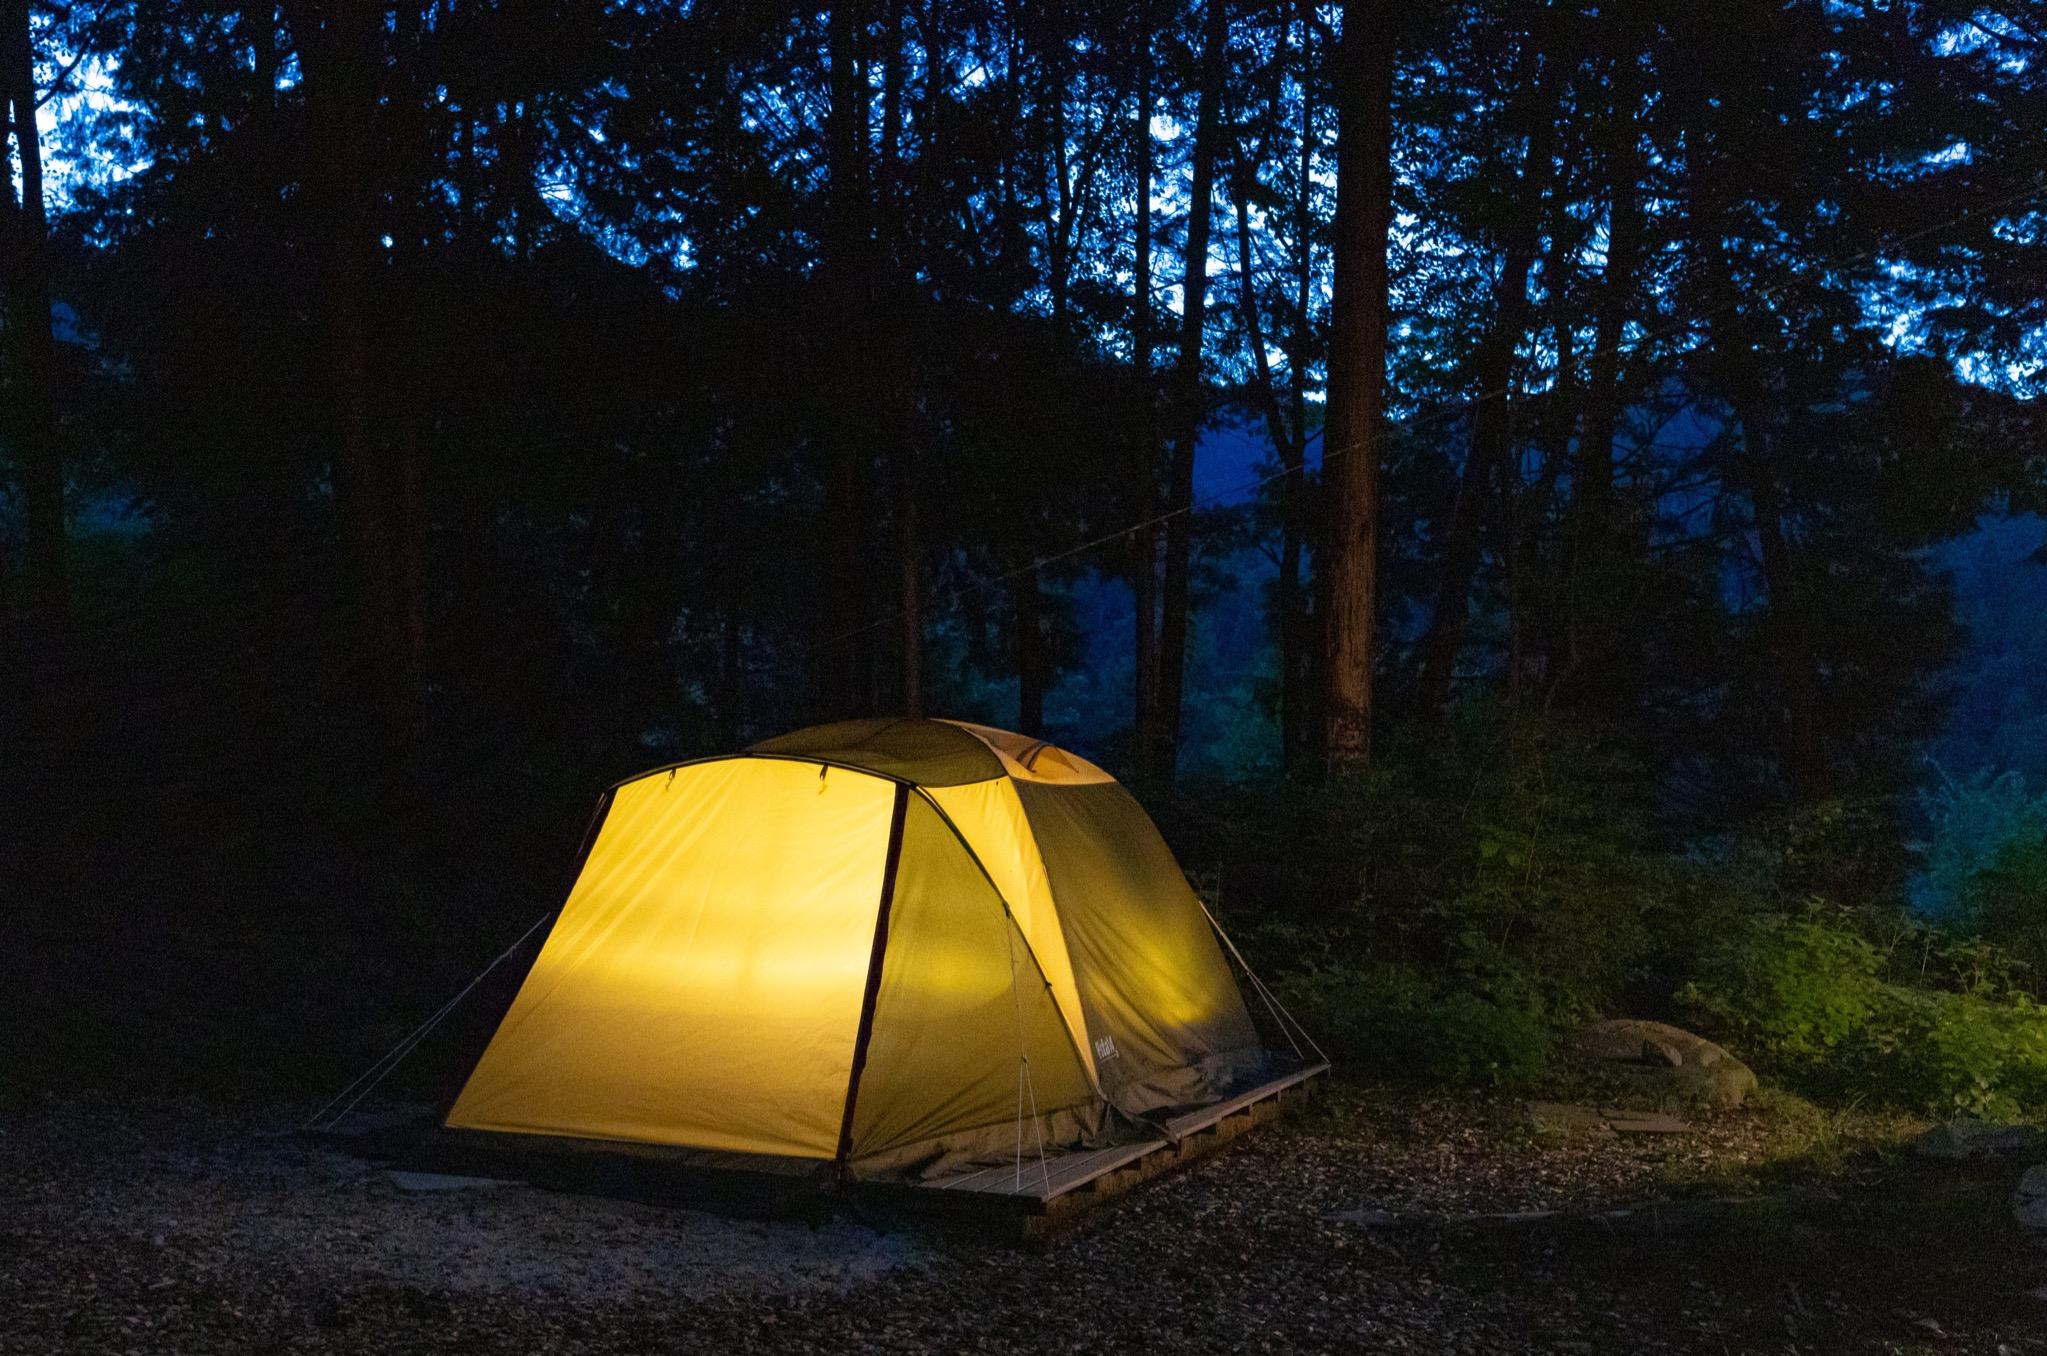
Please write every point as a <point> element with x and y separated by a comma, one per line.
<point>886,944</point>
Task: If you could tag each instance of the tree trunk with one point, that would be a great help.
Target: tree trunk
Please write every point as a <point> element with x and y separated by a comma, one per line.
<point>407,344</point>
<point>1058,201</point>
<point>1544,592</point>
<point>1030,654</point>
<point>1784,629</point>
<point>846,663</point>
<point>909,569</point>
<point>1594,550</point>
<point>339,51</point>
<point>1187,397</point>
<point>1286,444</point>
<point>1355,432</point>
<point>1624,238</point>
<point>1297,683</point>
<point>25,236</point>
<point>409,527</point>
<point>1734,359</point>
<point>1492,423</point>
<point>890,194</point>
<point>901,376</point>
<point>265,57</point>
<point>731,671</point>
<point>1144,578</point>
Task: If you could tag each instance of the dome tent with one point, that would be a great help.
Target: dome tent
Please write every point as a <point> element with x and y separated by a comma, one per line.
<point>886,944</point>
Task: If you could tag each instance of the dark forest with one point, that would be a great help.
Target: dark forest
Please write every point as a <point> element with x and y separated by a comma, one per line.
<point>1541,501</point>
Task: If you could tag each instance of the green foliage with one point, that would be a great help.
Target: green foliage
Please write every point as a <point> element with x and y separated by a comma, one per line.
<point>1508,853</point>
<point>1929,1022</point>
<point>1788,990</point>
<point>2006,903</point>
<point>1947,1054</point>
<point>1844,848</point>
<point>1974,821</point>
<point>1448,913</point>
<point>1465,1038</point>
<point>1986,870</point>
<point>1390,1021</point>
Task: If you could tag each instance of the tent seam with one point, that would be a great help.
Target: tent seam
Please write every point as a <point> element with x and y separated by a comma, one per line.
<point>1009,915</point>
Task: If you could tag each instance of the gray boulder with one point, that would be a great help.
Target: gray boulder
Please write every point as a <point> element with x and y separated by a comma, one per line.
<point>1965,1138</point>
<point>1667,1062</point>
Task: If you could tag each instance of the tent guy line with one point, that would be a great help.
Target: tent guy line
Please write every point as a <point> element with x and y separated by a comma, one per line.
<point>395,1056</point>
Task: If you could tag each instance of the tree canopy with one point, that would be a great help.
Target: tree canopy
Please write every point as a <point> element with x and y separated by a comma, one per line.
<point>490,390</point>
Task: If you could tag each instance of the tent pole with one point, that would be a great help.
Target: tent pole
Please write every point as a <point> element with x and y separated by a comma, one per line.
<point>842,1165</point>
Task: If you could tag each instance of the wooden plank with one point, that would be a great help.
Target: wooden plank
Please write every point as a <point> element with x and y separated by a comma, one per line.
<point>1200,1120</point>
<point>1064,1173</point>
<point>1069,1176</point>
<point>1055,1215</point>
<point>1062,1170</point>
<point>1082,1182</point>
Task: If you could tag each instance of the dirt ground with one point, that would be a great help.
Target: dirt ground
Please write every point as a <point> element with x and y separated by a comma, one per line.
<point>1373,1221</point>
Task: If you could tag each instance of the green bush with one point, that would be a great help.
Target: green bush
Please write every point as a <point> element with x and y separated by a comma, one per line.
<point>2006,902</point>
<point>1929,1023</point>
<point>1357,1015</point>
<point>1468,1040</point>
<point>1948,1054</point>
<point>1788,990</point>
<point>1502,855</point>
<point>1844,848</point>
<point>1974,822</point>
<point>1390,1021</point>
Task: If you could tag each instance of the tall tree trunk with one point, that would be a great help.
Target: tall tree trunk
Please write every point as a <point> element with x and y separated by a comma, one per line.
<point>1030,654</point>
<point>1354,435</point>
<point>1144,569</point>
<point>1536,594</point>
<point>1298,695</point>
<point>1594,551</point>
<point>731,662</point>
<point>516,178</point>
<point>406,340</point>
<point>339,51</point>
<point>901,378</point>
<point>1058,201</point>
<point>1286,444</point>
<point>1492,423</point>
<point>1785,628</point>
<point>1547,578</point>
<point>909,566</point>
<point>846,663</point>
<point>1623,249</point>
<point>264,56</point>
<point>1735,358</point>
<point>24,235</point>
<point>889,196</point>
<point>1187,396</point>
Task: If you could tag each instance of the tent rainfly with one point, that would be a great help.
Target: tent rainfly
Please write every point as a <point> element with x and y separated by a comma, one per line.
<point>896,946</point>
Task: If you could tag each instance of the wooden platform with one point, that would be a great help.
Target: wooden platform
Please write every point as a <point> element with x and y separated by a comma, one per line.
<point>1038,1197</point>
<point>1024,1205</point>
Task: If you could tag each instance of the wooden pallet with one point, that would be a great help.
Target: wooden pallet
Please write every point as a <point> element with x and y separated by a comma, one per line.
<point>1035,1199</point>
<point>1025,1203</point>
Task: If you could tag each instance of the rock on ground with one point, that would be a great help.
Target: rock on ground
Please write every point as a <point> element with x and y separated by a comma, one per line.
<point>1667,1062</point>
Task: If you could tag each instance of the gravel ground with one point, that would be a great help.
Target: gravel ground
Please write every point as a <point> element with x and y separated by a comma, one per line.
<point>187,1228</point>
